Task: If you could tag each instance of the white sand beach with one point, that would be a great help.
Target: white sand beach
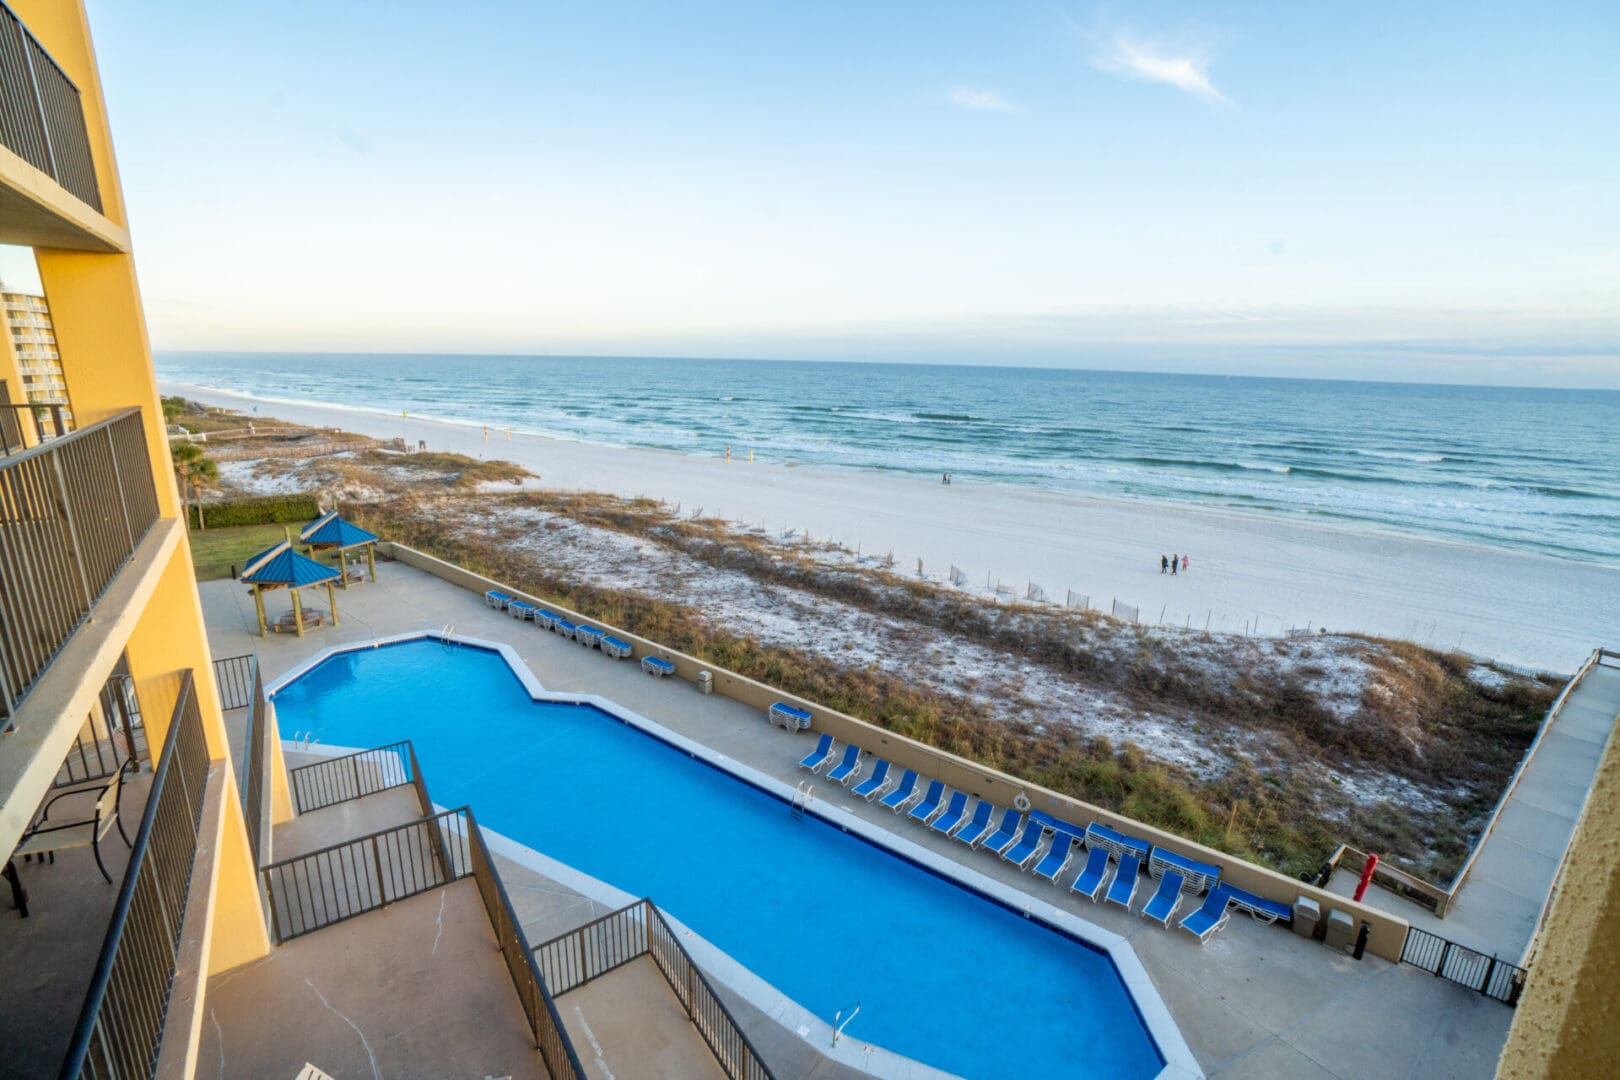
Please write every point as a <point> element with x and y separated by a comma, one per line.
<point>1246,570</point>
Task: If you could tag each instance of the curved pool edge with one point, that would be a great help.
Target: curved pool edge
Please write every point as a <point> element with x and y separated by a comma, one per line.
<point>1179,1062</point>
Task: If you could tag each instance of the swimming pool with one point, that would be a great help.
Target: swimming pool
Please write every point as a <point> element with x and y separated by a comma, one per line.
<point>944,975</point>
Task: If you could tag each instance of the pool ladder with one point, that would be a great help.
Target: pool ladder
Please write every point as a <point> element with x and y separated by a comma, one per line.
<point>801,798</point>
<point>840,1022</point>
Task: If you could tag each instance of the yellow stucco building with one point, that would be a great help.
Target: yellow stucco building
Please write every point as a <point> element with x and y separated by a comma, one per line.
<point>98,602</point>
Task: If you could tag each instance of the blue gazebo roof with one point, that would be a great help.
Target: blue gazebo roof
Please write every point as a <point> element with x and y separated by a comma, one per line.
<point>281,565</point>
<point>330,529</point>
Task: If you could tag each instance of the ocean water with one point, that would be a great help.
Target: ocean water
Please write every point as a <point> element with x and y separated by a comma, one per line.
<point>1528,469</point>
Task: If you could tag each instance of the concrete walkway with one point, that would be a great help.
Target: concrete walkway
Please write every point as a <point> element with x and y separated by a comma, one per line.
<point>1254,1002</point>
<point>1497,908</point>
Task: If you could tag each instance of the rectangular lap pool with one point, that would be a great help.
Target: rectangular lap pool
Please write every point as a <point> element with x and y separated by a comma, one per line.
<point>944,975</point>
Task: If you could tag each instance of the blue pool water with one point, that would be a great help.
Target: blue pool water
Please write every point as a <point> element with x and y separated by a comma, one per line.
<point>943,975</point>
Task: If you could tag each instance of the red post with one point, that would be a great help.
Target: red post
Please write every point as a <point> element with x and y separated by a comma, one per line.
<point>1366,877</point>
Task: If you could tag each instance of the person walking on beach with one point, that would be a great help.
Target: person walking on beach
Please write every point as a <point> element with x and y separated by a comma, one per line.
<point>1164,564</point>
<point>1172,564</point>
<point>1184,564</point>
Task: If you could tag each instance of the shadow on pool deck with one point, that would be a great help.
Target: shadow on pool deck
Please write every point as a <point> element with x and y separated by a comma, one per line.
<point>1255,1001</point>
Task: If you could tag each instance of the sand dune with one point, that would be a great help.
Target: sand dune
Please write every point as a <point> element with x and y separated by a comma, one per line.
<point>1246,570</point>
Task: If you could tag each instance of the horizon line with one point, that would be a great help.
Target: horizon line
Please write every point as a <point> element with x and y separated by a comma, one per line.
<point>978,365</point>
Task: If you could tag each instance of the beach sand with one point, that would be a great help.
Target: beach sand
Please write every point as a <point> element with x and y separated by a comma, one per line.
<point>1246,570</point>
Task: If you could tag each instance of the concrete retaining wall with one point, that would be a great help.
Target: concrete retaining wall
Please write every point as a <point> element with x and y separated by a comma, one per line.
<point>1388,931</point>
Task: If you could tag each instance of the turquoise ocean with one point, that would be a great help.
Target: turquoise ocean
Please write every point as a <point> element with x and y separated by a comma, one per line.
<point>1528,469</point>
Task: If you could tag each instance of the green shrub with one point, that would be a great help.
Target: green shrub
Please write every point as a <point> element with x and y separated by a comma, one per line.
<point>261,510</point>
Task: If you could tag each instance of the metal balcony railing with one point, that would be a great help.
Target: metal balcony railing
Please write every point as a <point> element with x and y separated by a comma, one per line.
<point>41,116</point>
<point>121,1024</point>
<point>72,513</point>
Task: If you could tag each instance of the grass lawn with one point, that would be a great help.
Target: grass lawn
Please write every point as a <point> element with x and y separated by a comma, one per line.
<point>214,551</point>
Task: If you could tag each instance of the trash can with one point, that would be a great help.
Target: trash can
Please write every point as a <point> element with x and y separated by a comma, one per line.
<point>706,682</point>
<point>1307,913</point>
<point>1341,930</point>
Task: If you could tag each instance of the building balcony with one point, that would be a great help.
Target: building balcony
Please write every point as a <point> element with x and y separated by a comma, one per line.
<point>41,117</point>
<point>73,511</point>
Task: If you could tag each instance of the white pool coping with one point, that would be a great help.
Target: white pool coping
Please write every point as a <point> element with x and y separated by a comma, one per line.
<point>1180,1064</point>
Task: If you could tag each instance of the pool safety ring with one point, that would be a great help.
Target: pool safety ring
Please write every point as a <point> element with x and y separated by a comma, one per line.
<point>1021,803</point>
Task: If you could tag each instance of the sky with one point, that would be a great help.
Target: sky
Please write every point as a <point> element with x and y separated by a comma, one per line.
<point>1369,191</point>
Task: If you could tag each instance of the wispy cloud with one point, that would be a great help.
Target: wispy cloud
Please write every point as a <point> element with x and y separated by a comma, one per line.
<point>967,97</point>
<point>1129,58</point>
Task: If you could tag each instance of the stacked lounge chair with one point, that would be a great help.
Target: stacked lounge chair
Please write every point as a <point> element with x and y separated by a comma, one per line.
<point>1267,911</point>
<point>564,627</point>
<point>847,768</point>
<point>612,646</point>
<point>1162,904</point>
<point>1022,853</point>
<point>905,794</point>
<point>876,782</point>
<point>1090,882</point>
<point>1196,876</point>
<point>787,716</point>
<point>588,636</point>
<point>818,757</point>
<point>497,599</point>
<point>953,816</point>
<point>1057,857</point>
<point>1122,890</point>
<point>545,620</point>
<point>654,665</point>
<point>975,830</point>
<point>519,610</point>
<point>933,801</point>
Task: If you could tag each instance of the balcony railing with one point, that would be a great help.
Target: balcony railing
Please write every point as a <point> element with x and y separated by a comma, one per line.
<point>72,513</point>
<point>41,116</point>
<point>121,1023</point>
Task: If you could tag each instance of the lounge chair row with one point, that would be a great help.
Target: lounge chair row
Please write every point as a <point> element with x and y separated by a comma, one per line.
<point>1051,845</point>
<point>588,636</point>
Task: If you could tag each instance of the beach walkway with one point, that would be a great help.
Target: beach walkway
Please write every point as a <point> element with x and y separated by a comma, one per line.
<point>1499,905</point>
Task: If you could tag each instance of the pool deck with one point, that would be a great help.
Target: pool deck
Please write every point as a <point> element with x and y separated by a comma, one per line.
<point>1255,1001</point>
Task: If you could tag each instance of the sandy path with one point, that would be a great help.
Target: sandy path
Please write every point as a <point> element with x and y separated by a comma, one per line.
<point>1507,606</point>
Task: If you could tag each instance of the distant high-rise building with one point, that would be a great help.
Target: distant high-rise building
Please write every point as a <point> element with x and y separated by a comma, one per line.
<point>32,341</point>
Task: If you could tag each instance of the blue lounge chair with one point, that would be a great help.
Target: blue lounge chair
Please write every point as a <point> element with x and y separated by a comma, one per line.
<point>953,815</point>
<point>1090,881</point>
<point>875,783</point>
<point>841,772</point>
<point>1057,859</point>
<point>1162,904</point>
<point>786,716</point>
<point>519,610</point>
<point>903,796</point>
<point>975,830</point>
<point>932,803</point>
<point>1211,916</point>
<point>1004,837</point>
<point>564,627</point>
<point>1122,890</point>
<point>654,665</point>
<point>497,599</point>
<point>587,636</point>
<point>1267,911</point>
<point>545,620</point>
<point>819,756</point>
<point>1022,853</point>
<point>619,650</point>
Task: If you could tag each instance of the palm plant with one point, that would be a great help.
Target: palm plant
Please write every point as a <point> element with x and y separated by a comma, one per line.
<point>195,472</point>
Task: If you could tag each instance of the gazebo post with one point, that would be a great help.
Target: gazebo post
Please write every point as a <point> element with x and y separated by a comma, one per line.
<point>298,610</point>
<point>258,603</point>
<point>331,599</point>
<point>371,562</point>
<point>343,575</point>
